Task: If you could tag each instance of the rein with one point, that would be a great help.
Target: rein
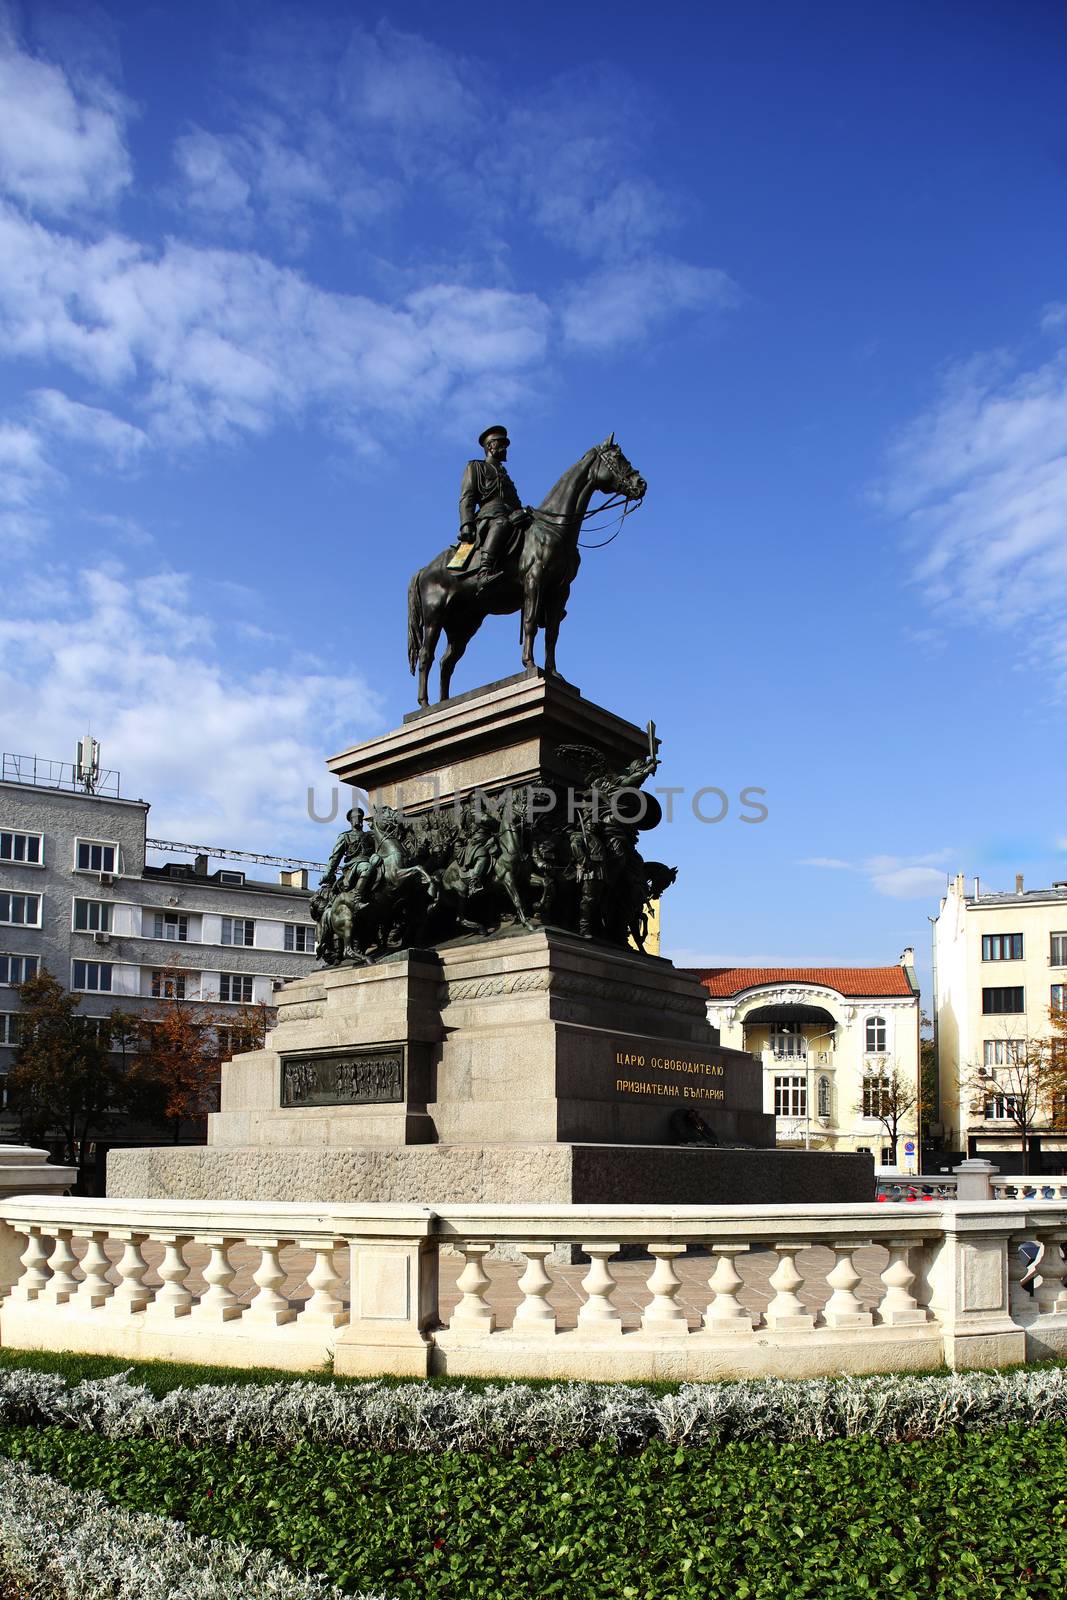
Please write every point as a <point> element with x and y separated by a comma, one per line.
<point>619,498</point>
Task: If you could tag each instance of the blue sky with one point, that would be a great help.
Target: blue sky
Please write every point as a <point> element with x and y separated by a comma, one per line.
<point>265,274</point>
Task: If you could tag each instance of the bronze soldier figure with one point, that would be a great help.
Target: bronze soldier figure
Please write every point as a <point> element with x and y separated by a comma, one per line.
<point>489,507</point>
<point>357,858</point>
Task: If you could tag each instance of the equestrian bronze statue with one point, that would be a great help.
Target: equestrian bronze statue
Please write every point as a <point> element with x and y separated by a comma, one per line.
<point>509,557</point>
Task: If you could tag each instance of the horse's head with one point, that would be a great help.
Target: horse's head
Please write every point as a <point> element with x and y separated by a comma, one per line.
<point>613,474</point>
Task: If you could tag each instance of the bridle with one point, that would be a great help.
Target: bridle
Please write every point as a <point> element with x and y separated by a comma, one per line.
<point>618,498</point>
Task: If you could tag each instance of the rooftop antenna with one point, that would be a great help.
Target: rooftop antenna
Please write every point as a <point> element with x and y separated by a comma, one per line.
<point>87,770</point>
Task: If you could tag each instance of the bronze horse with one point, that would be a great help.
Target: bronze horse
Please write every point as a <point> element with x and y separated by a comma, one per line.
<point>535,579</point>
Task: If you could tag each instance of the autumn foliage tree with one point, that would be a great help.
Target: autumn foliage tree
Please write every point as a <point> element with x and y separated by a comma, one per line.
<point>182,1047</point>
<point>889,1098</point>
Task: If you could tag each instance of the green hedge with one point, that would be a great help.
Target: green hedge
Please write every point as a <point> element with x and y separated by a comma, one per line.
<point>956,1518</point>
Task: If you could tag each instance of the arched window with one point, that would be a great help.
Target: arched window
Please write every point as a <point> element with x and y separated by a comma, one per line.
<point>875,1045</point>
<point>824,1097</point>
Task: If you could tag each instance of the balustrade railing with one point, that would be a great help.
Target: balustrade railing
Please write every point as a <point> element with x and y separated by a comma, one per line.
<point>599,1292</point>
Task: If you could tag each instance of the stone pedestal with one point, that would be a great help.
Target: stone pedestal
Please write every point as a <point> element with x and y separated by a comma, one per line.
<point>522,1066</point>
<point>530,1066</point>
<point>506,733</point>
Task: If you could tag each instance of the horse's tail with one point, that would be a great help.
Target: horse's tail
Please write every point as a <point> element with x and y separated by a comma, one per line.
<point>414,622</point>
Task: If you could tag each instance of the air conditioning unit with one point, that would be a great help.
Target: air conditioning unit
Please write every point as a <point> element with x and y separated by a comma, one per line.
<point>101,936</point>
<point>107,877</point>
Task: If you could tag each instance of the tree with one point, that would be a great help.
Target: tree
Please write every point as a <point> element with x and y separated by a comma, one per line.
<point>182,1047</point>
<point>1025,1081</point>
<point>928,1107</point>
<point>63,1083</point>
<point>889,1098</point>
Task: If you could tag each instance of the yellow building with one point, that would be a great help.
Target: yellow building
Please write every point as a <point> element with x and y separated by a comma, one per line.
<point>829,1040</point>
<point>1000,965</point>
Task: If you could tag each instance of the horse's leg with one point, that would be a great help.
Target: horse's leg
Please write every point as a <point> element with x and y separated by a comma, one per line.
<point>553,618</point>
<point>512,888</point>
<point>431,632</point>
<point>458,640</point>
<point>530,597</point>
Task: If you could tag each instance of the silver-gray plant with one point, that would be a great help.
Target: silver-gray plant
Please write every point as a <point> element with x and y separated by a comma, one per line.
<point>61,1544</point>
<point>424,1417</point>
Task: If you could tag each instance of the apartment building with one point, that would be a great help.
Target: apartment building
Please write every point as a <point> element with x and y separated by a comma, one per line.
<point>827,1041</point>
<point>78,897</point>
<point>1000,966</point>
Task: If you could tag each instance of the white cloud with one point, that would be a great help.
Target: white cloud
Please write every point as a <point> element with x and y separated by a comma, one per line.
<point>896,877</point>
<point>622,304</point>
<point>224,753</point>
<point>909,883</point>
<point>980,482</point>
<point>212,341</point>
<point>24,473</point>
<point>61,148</point>
<point>91,425</point>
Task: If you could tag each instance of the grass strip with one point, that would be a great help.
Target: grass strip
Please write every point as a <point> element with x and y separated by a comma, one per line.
<point>955,1518</point>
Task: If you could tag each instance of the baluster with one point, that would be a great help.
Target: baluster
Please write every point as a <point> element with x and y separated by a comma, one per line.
<point>726,1314</point>
<point>322,1308</point>
<point>844,1309</point>
<point>786,1311</point>
<point>663,1315</point>
<point>598,1318</point>
<point>94,1288</point>
<point>898,1307</point>
<point>474,1311</point>
<point>268,1306</point>
<point>1051,1295</point>
<point>218,1303</point>
<point>172,1299</point>
<point>34,1260</point>
<point>534,1314</point>
<point>1021,1303</point>
<point>62,1284</point>
<point>130,1293</point>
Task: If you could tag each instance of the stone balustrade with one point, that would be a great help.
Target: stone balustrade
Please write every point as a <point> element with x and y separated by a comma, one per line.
<point>853,1288</point>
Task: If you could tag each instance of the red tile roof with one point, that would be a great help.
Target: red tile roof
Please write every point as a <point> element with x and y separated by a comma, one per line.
<point>856,981</point>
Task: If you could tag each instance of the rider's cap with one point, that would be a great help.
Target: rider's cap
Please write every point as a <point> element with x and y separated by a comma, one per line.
<point>489,432</point>
<point>355,812</point>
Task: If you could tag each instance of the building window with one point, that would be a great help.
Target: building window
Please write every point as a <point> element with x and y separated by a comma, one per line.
<point>27,848</point>
<point>874,1043</point>
<point>1057,955</point>
<point>1002,1001</point>
<point>1058,994</point>
<point>238,930</point>
<point>1059,1111</point>
<point>21,910</point>
<point>787,1039</point>
<point>92,916</point>
<point>92,977</point>
<point>234,878</point>
<point>236,986</point>
<point>95,855</point>
<point>790,1096</point>
<point>9,1027</point>
<point>17,969</point>
<point>1000,1108</point>
<point>168,986</point>
<point>1002,947</point>
<point>877,1095</point>
<point>171,925</point>
<point>299,936</point>
<point>824,1097</point>
<point>1003,1052</point>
